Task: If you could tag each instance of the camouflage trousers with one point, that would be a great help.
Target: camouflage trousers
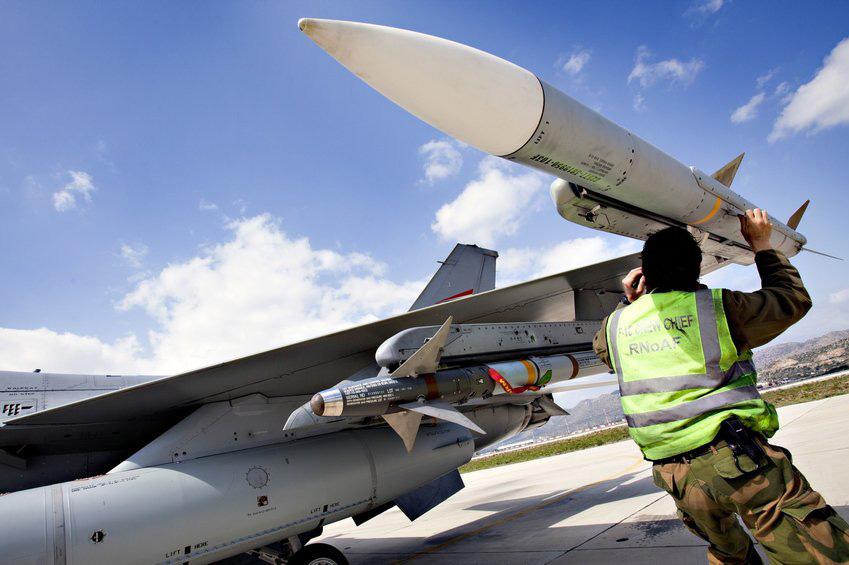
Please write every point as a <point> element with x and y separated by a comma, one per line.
<point>791,521</point>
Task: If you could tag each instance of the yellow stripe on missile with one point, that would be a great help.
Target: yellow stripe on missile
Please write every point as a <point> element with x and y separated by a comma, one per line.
<point>532,371</point>
<point>712,213</point>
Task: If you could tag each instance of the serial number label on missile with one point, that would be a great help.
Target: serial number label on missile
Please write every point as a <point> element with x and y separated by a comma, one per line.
<point>598,165</point>
<point>371,392</point>
<point>104,483</point>
<point>565,167</point>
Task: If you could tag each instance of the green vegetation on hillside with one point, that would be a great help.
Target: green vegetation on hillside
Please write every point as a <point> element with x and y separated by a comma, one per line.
<point>808,392</point>
<point>609,435</point>
<point>793,395</point>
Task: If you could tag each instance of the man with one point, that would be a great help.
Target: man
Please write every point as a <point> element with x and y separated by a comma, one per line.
<point>682,354</point>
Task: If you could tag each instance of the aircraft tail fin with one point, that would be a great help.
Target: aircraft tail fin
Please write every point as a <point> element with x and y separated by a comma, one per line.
<point>469,269</point>
<point>726,174</point>
<point>794,220</point>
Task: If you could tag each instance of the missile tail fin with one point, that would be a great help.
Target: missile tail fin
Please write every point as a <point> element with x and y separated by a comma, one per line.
<point>406,425</point>
<point>551,408</point>
<point>426,359</point>
<point>794,220</point>
<point>443,411</point>
<point>726,174</point>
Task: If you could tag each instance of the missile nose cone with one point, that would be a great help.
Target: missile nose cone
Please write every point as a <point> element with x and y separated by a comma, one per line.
<point>471,95</point>
<point>327,403</point>
<point>308,25</point>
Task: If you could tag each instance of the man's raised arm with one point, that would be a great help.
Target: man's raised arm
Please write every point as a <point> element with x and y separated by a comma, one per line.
<point>759,317</point>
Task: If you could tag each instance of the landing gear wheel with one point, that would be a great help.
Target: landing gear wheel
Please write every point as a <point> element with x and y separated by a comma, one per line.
<point>317,554</point>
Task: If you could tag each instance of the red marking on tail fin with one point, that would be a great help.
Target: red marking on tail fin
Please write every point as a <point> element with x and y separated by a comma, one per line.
<point>458,295</point>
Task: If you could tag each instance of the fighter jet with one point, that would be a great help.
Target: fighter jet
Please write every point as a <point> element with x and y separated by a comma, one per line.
<point>254,456</point>
<point>251,458</point>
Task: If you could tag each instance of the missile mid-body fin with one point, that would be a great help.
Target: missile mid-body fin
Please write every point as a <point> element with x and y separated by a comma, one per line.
<point>726,174</point>
<point>406,422</point>
<point>426,359</point>
<point>406,425</point>
<point>442,411</point>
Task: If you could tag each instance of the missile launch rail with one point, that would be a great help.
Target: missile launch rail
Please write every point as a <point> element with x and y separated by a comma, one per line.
<point>467,343</point>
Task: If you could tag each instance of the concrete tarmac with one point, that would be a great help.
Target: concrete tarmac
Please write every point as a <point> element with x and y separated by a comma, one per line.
<point>598,505</point>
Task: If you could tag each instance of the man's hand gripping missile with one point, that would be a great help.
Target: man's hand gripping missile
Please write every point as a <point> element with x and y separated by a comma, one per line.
<point>756,228</point>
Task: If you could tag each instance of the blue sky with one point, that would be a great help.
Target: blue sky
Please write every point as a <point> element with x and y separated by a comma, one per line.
<point>183,183</point>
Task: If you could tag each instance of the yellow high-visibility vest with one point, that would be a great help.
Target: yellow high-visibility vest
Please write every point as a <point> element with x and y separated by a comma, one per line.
<point>680,374</point>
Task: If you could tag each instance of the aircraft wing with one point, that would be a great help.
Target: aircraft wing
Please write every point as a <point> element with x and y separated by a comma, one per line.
<point>316,364</point>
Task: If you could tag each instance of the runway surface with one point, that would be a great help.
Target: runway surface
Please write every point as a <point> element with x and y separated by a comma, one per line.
<point>597,505</point>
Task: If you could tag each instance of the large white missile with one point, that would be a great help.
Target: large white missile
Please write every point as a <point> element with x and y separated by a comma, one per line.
<point>609,179</point>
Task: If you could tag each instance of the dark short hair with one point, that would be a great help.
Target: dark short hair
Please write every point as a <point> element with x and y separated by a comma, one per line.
<point>672,260</point>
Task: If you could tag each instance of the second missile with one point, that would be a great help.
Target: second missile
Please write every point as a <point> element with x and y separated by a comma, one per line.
<point>379,395</point>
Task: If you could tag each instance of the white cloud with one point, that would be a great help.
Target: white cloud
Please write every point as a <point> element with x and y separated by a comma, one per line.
<point>80,185</point>
<point>576,62</point>
<point>734,277</point>
<point>639,102</point>
<point>762,80</point>
<point>749,110</point>
<point>519,264</point>
<point>441,160</point>
<point>827,315</point>
<point>241,205</point>
<point>839,297</point>
<point>133,255</point>
<point>781,89</point>
<point>257,290</point>
<point>27,350</point>
<point>820,104</point>
<point>672,70</point>
<point>206,206</point>
<point>709,6</point>
<point>491,206</point>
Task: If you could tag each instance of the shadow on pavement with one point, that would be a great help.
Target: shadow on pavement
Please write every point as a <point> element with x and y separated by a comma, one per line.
<point>525,530</point>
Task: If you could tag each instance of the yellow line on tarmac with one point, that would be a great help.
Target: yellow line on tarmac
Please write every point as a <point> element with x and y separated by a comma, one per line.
<point>521,513</point>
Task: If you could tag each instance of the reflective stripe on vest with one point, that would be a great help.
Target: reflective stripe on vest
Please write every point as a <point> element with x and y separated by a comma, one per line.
<point>694,408</point>
<point>712,378</point>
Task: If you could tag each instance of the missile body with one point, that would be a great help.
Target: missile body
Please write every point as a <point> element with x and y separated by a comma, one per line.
<point>381,395</point>
<point>507,111</point>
